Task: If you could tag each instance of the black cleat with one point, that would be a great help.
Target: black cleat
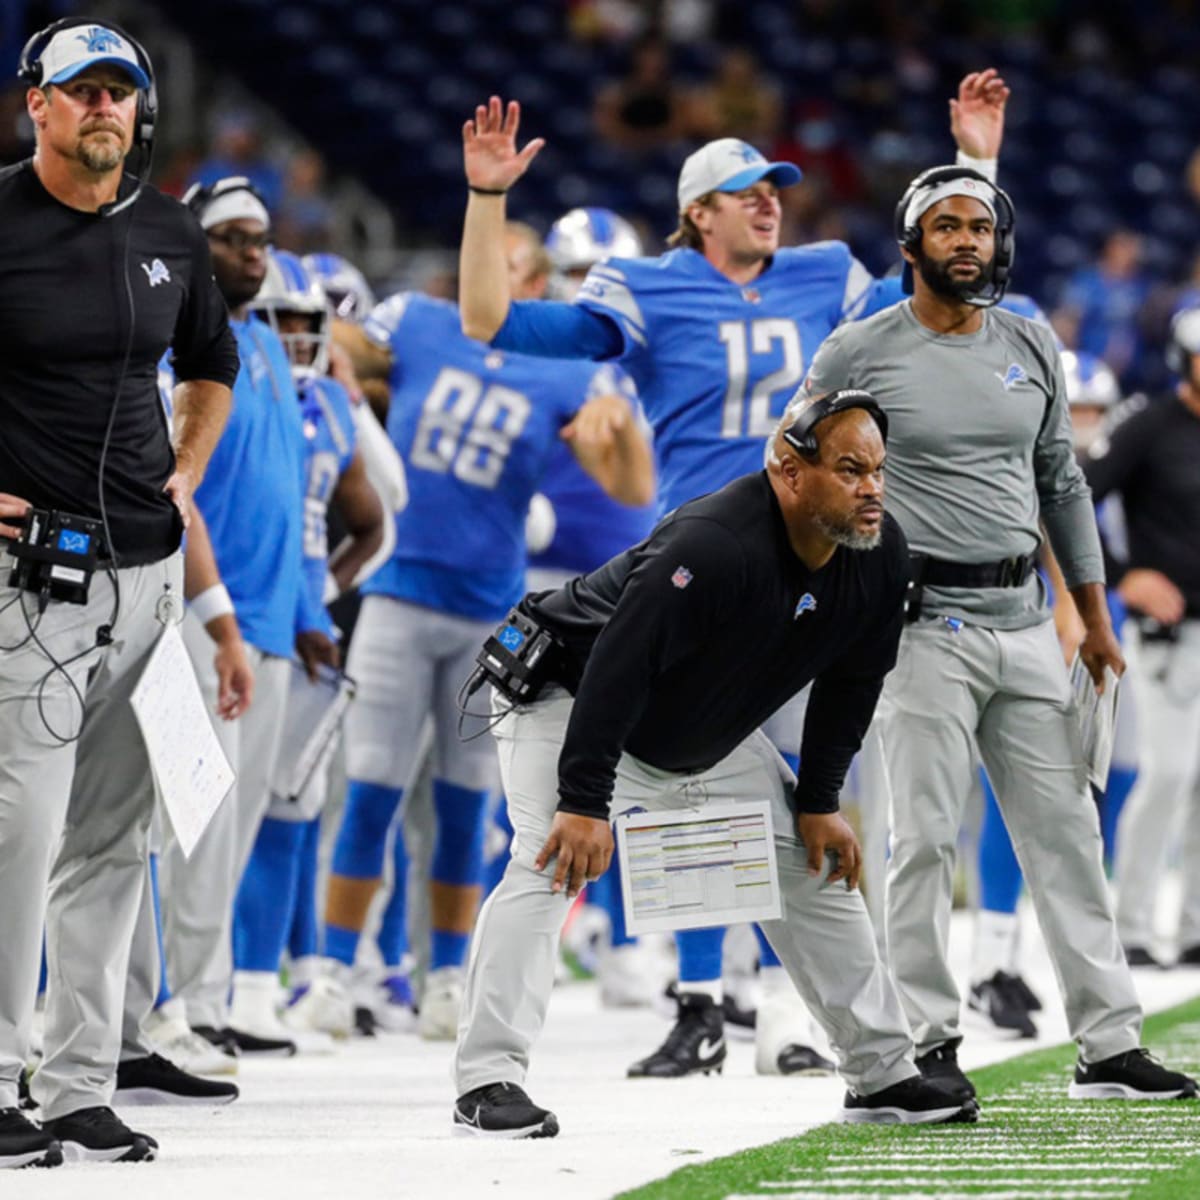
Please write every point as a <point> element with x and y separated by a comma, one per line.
<point>940,1066</point>
<point>157,1080</point>
<point>1139,956</point>
<point>502,1110</point>
<point>223,1039</point>
<point>1134,1075</point>
<point>251,1043</point>
<point>99,1135</point>
<point>915,1101</point>
<point>23,1144</point>
<point>1189,957</point>
<point>739,1022</point>
<point>696,1043</point>
<point>365,1024</point>
<point>1032,1002</point>
<point>795,1059</point>
<point>1004,1001</point>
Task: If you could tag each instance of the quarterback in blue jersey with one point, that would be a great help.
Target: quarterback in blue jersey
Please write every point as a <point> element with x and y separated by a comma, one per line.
<point>715,332</point>
<point>276,900</point>
<point>476,428</point>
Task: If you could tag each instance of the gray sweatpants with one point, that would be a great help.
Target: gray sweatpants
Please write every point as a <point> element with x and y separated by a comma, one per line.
<point>824,939</point>
<point>75,816</point>
<point>1009,691</point>
<point>1165,677</point>
<point>198,892</point>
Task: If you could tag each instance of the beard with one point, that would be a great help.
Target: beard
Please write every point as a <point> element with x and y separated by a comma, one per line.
<point>938,279</point>
<point>843,532</point>
<point>100,155</point>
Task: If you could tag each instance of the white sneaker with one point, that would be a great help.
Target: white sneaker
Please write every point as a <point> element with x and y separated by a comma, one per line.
<point>324,1007</point>
<point>627,977</point>
<point>169,1034</point>
<point>440,1004</point>
<point>254,1011</point>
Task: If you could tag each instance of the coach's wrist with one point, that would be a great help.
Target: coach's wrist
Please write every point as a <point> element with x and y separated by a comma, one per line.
<point>583,808</point>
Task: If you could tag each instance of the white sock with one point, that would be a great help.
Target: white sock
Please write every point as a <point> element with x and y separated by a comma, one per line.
<point>703,987</point>
<point>255,994</point>
<point>995,946</point>
<point>775,981</point>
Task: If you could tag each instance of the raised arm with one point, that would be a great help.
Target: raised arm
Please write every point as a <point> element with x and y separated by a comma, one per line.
<point>611,447</point>
<point>492,164</point>
<point>977,116</point>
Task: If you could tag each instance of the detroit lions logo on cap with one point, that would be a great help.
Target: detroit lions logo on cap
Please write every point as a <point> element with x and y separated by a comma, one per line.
<point>748,153</point>
<point>99,40</point>
<point>806,603</point>
<point>1012,377</point>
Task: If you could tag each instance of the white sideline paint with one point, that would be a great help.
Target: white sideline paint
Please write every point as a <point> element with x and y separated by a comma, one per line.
<point>374,1120</point>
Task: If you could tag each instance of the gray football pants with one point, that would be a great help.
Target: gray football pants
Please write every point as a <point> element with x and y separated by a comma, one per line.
<point>824,939</point>
<point>74,827</point>
<point>1008,691</point>
<point>198,892</point>
<point>1165,677</point>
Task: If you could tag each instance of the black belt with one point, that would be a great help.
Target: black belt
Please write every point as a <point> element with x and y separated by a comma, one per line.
<point>937,572</point>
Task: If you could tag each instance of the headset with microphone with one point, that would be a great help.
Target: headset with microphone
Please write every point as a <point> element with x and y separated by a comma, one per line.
<point>30,72</point>
<point>801,433</point>
<point>908,234</point>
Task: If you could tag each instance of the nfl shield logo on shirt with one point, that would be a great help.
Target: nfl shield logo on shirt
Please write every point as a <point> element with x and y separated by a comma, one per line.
<point>682,577</point>
<point>806,603</point>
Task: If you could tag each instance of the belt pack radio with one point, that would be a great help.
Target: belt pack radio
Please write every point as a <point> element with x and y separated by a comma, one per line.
<point>56,555</point>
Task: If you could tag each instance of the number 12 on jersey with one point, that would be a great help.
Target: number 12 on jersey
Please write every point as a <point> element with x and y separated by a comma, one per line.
<point>741,340</point>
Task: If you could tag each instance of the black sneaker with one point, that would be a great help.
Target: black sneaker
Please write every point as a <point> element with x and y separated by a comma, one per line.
<point>941,1066</point>
<point>915,1101</point>
<point>739,1022</point>
<point>1189,957</point>
<point>502,1110</point>
<point>223,1039</point>
<point>696,1043</point>
<point>157,1080</point>
<point>796,1059</point>
<point>99,1135</point>
<point>241,1042</point>
<point>23,1144</point>
<point>1004,1003</point>
<point>1134,1075</point>
<point>1139,956</point>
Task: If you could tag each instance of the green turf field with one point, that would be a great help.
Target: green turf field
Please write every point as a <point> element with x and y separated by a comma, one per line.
<point>1031,1143</point>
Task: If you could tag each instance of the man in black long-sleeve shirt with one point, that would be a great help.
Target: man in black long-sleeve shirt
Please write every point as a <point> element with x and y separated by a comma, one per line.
<point>1150,458</point>
<point>675,653</point>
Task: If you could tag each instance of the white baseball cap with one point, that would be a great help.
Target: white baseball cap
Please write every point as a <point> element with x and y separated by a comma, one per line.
<point>728,165</point>
<point>78,47</point>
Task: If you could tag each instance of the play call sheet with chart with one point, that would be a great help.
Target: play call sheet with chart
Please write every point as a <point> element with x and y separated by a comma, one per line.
<point>698,867</point>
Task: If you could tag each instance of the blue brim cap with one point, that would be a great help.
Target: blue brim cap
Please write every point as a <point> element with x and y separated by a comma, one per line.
<point>781,174</point>
<point>132,69</point>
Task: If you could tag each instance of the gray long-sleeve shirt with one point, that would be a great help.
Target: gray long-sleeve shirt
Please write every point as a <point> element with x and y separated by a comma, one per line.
<point>979,447</point>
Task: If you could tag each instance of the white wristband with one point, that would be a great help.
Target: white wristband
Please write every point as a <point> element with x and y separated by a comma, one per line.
<point>332,591</point>
<point>985,166</point>
<point>213,602</point>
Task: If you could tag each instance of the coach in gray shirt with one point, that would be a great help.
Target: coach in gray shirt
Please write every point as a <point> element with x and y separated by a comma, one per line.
<point>980,450</point>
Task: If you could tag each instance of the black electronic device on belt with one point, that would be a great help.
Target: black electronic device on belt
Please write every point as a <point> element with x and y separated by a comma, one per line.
<point>516,660</point>
<point>56,555</point>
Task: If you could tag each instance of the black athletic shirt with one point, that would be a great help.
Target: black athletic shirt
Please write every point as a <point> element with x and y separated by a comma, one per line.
<point>1152,457</point>
<point>64,328</point>
<point>680,648</point>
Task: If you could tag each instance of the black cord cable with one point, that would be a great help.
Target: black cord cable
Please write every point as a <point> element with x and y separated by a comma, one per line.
<point>464,695</point>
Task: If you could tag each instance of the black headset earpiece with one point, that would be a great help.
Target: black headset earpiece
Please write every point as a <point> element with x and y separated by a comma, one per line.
<point>801,433</point>
<point>909,236</point>
<point>29,71</point>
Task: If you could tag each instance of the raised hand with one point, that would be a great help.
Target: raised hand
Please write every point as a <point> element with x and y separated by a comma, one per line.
<point>490,155</point>
<point>977,116</point>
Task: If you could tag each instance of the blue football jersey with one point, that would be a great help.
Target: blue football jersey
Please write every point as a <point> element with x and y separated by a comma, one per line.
<point>716,362</point>
<point>590,527</point>
<point>329,441</point>
<point>476,428</point>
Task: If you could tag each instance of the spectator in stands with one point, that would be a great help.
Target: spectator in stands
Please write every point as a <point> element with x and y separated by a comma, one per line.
<point>237,150</point>
<point>739,101</point>
<point>1100,307</point>
<point>306,217</point>
<point>646,108</point>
